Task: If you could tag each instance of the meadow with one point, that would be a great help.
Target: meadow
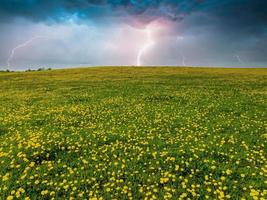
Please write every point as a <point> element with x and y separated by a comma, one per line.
<point>133,133</point>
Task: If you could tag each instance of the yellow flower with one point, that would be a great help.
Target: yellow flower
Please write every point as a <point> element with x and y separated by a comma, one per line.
<point>85,161</point>
<point>21,190</point>
<point>32,164</point>
<point>6,177</point>
<point>44,192</point>
<point>221,194</point>
<point>254,193</point>
<point>213,167</point>
<point>164,180</point>
<point>9,198</point>
<point>17,194</point>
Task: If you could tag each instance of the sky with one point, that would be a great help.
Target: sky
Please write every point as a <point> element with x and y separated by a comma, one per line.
<point>75,33</point>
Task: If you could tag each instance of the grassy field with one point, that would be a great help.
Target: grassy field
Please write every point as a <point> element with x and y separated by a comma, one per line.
<point>134,133</point>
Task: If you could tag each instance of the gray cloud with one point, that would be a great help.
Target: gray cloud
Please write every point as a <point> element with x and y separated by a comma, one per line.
<point>93,32</point>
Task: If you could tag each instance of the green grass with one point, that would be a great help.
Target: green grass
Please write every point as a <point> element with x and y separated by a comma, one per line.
<point>133,133</point>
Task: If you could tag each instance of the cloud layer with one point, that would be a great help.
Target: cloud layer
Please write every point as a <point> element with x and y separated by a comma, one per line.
<point>111,32</point>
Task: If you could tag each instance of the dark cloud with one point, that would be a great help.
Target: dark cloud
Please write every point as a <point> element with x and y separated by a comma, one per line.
<point>248,15</point>
<point>215,31</point>
<point>60,10</point>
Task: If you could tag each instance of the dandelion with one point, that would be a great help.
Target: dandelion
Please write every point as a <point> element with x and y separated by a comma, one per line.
<point>164,180</point>
<point>44,192</point>
<point>32,164</point>
<point>10,198</point>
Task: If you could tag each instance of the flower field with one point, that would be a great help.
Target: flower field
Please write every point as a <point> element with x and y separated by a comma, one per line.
<point>134,133</point>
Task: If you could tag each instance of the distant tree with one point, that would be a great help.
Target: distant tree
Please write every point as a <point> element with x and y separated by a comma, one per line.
<point>41,69</point>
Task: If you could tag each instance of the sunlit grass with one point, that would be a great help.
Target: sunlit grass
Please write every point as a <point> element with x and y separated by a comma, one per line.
<point>133,133</point>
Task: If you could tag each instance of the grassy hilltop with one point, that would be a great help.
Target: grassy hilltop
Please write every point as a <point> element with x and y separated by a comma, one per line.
<point>133,133</point>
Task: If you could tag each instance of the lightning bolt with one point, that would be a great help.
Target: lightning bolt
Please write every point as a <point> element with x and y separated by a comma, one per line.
<point>13,51</point>
<point>145,48</point>
<point>239,59</point>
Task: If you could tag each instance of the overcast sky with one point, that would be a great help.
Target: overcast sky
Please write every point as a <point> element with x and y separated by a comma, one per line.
<point>72,33</point>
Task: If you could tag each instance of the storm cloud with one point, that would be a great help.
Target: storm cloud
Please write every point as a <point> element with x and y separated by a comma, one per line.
<point>62,10</point>
<point>111,32</point>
